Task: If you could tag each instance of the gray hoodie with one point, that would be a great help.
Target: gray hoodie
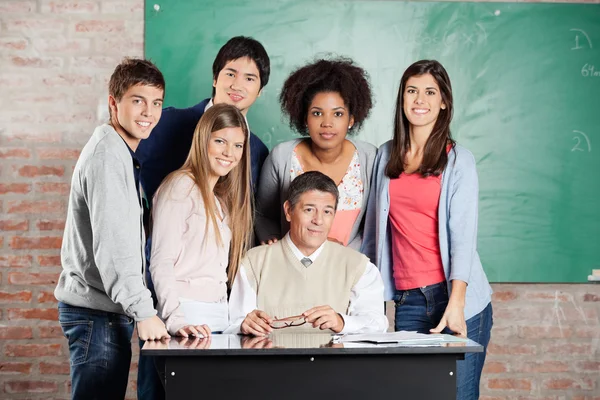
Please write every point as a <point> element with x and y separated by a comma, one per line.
<point>102,252</point>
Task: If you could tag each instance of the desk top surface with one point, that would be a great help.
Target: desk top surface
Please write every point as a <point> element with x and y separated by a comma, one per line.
<point>292,344</point>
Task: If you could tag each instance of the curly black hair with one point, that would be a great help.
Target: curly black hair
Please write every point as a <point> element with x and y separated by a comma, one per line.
<point>338,75</point>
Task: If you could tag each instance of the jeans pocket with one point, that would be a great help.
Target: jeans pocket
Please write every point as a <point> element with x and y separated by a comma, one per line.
<point>400,298</point>
<point>120,330</point>
<point>79,335</point>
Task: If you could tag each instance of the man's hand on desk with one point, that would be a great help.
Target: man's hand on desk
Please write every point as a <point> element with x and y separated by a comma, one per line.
<point>324,317</point>
<point>257,323</point>
<point>194,330</point>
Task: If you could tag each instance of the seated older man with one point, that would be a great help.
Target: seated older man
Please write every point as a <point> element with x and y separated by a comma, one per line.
<point>305,282</point>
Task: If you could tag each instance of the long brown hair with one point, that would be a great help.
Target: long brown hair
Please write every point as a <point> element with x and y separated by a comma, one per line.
<point>232,190</point>
<point>435,156</point>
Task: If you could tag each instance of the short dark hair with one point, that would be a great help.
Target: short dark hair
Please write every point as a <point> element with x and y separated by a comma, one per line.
<point>239,47</point>
<point>338,75</point>
<point>311,180</point>
<point>131,72</point>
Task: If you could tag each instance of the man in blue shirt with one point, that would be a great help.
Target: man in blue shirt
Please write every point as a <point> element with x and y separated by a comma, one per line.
<point>240,71</point>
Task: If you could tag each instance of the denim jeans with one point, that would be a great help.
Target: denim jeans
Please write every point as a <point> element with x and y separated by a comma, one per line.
<point>422,309</point>
<point>100,351</point>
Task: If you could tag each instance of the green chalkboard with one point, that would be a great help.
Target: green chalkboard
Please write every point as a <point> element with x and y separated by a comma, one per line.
<point>526,81</point>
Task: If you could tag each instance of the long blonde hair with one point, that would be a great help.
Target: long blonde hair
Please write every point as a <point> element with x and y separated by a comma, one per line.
<point>233,190</point>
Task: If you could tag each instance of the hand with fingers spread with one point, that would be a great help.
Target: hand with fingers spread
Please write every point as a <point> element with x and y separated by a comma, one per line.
<point>201,331</point>
<point>257,342</point>
<point>324,317</point>
<point>453,319</point>
<point>152,329</point>
<point>257,323</point>
<point>196,343</point>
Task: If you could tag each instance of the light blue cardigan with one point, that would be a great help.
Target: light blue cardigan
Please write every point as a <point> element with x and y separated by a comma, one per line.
<point>457,215</point>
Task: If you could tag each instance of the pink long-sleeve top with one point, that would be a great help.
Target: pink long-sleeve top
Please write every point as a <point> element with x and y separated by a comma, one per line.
<point>186,259</point>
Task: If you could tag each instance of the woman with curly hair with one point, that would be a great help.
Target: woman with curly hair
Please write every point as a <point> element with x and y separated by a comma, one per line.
<point>326,101</point>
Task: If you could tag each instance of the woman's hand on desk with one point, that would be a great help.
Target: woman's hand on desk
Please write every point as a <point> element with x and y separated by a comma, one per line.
<point>453,319</point>
<point>257,323</point>
<point>201,331</point>
<point>324,317</point>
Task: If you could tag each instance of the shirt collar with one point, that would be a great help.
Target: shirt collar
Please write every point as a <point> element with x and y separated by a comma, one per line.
<point>210,104</point>
<point>298,253</point>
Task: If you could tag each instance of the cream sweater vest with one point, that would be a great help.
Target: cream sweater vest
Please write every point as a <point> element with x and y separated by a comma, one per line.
<point>284,287</point>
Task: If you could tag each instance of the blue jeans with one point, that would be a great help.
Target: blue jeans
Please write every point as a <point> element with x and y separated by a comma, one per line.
<point>422,309</point>
<point>100,351</point>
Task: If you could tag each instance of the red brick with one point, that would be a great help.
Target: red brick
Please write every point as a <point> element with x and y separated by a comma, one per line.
<point>585,398</point>
<point>544,332</point>
<point>100,62</point>
<point>14,152</point>
<point>100,26</point>
<point>120,8</point>
<point>61,45</point>
<point>37,26</point>
<point>23,296</point>
<point>13,368</point>
<point>16,261</point>
<point>53,188</point>
<point>568,384</point>
<point>494,367</point>
<point>509,383</point>
<point>37,62</point>
<point>17,6</point>
<point>32,171</point>
<point>504,332</point>
<point>70,7</point>
<point>14,225</point>
<point>49,261</point>
<point>34,207</point>
<point>587,331</point>
<point>32,350</point>
<point>510,348</point>
<point>58,154</point>
<point>69,117</point>
<point>47,242</point>
<point>18,278</point>
<point>15,44</point>
<point>38,137</point>
<point>567,348</point>
<point>46,297</point>
<point>19,188</point>
<point>540,366</point>
<point>68,80</point>
<point>507,295</point>
<point>591,297</point>
<point>14,81</point>
<point>30,387</point>
<point>51,225</point>
<point>549,296</point>
<point>47,314</point>
<point>51,332</point>
<point>591,366</point>
<point>126,45</point>
<point>54,368</point>
<point>16,332</point>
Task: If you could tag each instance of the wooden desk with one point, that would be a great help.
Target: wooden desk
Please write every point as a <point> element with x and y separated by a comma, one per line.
<point>306,366</point>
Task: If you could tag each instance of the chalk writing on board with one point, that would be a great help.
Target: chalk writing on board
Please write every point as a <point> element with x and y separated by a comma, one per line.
<point>579,144</point>
<point>581,44</point>
<point>589,70</point>
<point>466,35</point>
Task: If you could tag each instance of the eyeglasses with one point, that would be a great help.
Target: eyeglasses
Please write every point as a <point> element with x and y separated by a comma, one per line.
<point>296,320</point>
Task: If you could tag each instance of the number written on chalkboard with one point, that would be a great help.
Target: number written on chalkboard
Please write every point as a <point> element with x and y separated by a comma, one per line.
<point>582,142</point>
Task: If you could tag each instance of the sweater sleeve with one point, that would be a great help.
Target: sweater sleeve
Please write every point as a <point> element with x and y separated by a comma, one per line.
<point>462,219</point>
<point>116,242</point>
<point>172,207</point>
<point>268,207</point>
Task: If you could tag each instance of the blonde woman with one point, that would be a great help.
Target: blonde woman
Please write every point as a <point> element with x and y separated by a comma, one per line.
<point>195,252</point>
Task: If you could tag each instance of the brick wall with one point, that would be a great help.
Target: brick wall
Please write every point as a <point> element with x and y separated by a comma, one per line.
<point>55,60</point>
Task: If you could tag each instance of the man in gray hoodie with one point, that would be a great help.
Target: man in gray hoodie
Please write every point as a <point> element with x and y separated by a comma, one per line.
<point>101,290</point>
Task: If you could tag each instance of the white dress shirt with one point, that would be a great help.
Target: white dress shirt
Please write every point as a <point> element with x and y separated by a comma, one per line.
<point>365,312</point>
